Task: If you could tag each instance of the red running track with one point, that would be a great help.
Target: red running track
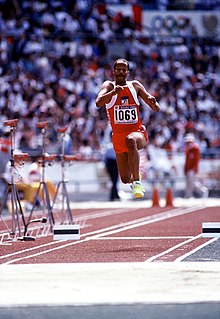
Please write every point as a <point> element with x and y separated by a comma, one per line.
<point>125,234</point>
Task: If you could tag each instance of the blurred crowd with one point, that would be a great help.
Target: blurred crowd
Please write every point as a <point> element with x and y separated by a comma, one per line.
<point>54,56</point>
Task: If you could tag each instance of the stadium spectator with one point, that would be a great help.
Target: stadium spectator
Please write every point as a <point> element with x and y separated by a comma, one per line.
<point>42,75</point>
<point>29,185</point>
<point>191,168</point>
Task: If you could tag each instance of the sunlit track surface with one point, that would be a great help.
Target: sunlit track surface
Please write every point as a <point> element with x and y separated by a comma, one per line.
<point>121,234</point>
<point>128,254</point>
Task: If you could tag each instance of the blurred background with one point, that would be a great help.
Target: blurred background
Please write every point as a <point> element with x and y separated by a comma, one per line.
<point>54,57</point>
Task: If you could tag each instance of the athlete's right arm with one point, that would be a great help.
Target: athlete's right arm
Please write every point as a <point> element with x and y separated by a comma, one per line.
<point>106,93</point>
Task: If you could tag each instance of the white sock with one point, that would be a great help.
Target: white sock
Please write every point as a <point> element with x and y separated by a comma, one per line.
<point>137,182</point>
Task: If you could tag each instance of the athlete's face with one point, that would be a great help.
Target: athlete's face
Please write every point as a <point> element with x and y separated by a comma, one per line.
<point>121,73</point>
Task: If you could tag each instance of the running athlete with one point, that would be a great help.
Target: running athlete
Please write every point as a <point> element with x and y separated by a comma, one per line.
<point>121,99</point>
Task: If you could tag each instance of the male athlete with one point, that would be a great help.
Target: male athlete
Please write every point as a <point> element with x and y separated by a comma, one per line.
<point>121,99</point>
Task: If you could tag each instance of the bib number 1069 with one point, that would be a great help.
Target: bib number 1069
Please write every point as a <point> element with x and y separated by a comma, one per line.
<point>126,115</point>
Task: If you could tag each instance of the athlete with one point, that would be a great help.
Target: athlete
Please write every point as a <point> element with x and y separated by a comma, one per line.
<point>121,99</point>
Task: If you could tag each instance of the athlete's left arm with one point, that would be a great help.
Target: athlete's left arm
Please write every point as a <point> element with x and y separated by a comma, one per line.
<point>146,96</point>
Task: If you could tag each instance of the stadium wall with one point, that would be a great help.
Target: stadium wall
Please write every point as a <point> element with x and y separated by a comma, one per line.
<point>170,23</point>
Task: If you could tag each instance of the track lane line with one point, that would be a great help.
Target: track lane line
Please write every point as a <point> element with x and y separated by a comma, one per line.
<point>172,248</point>
<point>43,252</point>
<point>195,250</point>
<point>144,237</point>
<point>148,220</point>
<point>79,219</point>
<point>105,231</point>
<point>94,215</point>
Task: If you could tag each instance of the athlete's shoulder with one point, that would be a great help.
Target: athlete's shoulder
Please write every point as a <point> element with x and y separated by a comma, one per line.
<point>108,83</point>
<point>107,86</point>
<point>135,82</point>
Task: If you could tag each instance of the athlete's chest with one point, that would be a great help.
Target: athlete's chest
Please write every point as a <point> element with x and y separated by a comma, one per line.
<point>125,97</point>
<point>124,107</point>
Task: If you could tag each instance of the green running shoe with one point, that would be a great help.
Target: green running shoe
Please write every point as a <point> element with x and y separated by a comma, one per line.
<point>137,190</point>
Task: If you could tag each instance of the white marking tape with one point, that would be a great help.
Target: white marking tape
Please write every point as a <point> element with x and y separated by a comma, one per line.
<point>195,250</point>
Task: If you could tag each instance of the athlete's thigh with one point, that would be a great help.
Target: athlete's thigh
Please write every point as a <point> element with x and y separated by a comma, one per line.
<point>123,166</point>
<point>140,138</point>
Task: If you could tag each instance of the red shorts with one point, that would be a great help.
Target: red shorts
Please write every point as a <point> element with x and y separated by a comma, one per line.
<point>119,140</point>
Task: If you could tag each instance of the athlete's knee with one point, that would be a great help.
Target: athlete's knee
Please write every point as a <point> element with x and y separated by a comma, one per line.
<point>131,142</point>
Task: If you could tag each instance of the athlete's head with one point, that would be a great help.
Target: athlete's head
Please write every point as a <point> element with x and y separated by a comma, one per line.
<point>121,71</point>
<point>119,61</point>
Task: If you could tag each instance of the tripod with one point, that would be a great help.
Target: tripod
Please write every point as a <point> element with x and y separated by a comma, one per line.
<point>62,183</point>
<point>16,207</point>
<point>43,185</point>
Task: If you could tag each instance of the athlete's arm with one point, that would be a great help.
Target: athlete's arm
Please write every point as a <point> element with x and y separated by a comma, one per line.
<point>106,93</point>
<point>146,96</point>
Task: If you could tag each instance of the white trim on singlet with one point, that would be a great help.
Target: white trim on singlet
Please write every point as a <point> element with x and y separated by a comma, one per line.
<point>133,92</point>
<point>112,102</point>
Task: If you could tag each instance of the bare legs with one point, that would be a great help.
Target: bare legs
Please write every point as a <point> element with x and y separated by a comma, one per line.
<point>128,163</point>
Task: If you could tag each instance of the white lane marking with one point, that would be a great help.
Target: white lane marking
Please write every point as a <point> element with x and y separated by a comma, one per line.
<point>172,248</point>
<point>149,219</point>
<point>98,214</point>
<point>44,252</point>
<point>88,216</point>
<point>29,249</point>
<point>79,219</point>
<point>195,250</point>
<point>145,237</point>
<point>141,238</point>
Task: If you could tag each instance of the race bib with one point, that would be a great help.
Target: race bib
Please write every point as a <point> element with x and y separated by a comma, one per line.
<point>125,114</point>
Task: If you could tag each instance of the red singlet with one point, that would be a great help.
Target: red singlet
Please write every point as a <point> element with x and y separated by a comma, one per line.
<point>124,116</point>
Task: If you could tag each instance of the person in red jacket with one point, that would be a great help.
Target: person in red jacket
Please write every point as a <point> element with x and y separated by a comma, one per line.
<point>121,100</point>
<point>191,168</point>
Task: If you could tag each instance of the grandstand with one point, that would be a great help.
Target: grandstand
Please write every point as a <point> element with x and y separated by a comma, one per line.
<point>55,55</point>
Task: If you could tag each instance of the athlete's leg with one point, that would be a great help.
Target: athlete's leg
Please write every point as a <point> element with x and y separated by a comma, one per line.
<point>134,142</point>
<point>124,167</point>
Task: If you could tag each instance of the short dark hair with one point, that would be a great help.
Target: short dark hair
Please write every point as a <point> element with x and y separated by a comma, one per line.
<point>119,61</point>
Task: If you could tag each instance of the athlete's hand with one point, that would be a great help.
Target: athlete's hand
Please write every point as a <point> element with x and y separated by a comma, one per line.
<point>152,99</point>
<point>153,103</point>
<point>117,89</point>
